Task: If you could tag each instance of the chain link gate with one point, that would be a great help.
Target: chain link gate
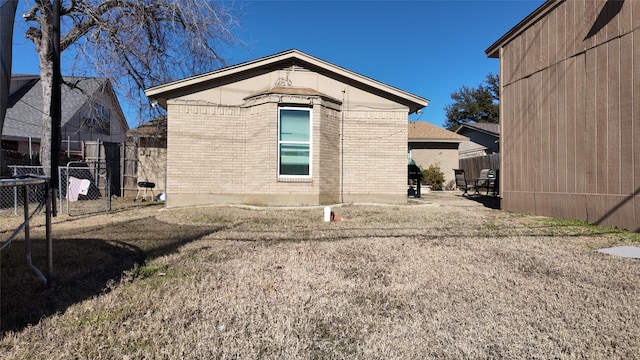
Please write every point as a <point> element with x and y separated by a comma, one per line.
<point>88,187</point>
<point>90,177</point>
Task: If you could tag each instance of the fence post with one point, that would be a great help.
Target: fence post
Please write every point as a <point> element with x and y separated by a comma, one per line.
<point>48,212</point>
<point>15,193</point>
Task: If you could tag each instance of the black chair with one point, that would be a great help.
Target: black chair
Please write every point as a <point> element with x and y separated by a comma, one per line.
<point>488,180</point>
<point>461,182</point>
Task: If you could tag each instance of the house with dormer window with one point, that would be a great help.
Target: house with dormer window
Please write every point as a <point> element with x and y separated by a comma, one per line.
<point>90,112</point>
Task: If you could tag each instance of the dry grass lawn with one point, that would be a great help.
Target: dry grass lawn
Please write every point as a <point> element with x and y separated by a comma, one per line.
<point>443,278</point>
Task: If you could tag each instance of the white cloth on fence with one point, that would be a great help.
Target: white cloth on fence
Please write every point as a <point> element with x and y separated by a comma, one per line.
<point>77,187</point>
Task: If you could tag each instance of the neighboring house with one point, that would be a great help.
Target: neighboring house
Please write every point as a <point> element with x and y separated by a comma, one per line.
<point>286,129</point>
<point>484,139</point>
<point>90,112</point>
<point>432,145</point>
<point>151,151</point>
<point>570,118</point>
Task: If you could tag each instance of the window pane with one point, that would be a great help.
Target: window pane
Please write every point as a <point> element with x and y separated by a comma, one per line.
<point>294,125</point>
<point>294,159</point>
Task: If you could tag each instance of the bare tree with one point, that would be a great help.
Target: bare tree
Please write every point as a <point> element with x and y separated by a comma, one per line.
<point>134,43</point>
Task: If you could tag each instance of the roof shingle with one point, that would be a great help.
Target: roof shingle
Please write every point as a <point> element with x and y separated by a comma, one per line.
<point>424,131</point>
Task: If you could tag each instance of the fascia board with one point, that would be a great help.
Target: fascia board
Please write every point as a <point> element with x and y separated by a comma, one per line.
<point>471,128</point>
<point>422,140</point>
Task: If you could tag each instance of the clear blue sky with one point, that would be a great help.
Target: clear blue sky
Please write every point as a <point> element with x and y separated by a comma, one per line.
<point>430,48</point>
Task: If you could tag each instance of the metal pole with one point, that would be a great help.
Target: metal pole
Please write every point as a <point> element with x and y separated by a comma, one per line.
<point>48,210</point>
<point>27,236</point>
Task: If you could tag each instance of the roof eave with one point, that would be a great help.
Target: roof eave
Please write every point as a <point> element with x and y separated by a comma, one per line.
<point>438,140</point>
<point>488,132</point>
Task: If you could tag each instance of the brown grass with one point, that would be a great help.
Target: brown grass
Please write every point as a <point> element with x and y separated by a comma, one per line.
<point>443,278</point>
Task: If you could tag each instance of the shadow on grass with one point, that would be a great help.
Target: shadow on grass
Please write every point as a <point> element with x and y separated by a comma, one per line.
<point>86,261</point>
<point>492,202</point>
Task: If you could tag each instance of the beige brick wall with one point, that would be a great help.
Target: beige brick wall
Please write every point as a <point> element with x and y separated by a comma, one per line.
<point>222,154</point>
<point>327,144</point>
<point>375,156</point>
<point>195,140</point>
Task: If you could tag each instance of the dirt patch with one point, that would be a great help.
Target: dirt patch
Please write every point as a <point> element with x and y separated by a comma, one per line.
<point>444,277</point>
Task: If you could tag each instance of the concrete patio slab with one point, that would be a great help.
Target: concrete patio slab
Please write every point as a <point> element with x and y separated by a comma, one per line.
<point>624,251</point>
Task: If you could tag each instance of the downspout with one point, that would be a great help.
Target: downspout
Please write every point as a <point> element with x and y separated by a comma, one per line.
<point>342,149</point>
<point>501,119</point>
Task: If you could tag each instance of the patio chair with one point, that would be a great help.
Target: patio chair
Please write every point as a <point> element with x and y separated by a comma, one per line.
<point>487,180</point>
<point>461,182</point>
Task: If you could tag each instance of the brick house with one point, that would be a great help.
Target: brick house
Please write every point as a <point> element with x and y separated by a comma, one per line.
<point>570,89</point>
<point>286,129</point>
<point>432,145</point>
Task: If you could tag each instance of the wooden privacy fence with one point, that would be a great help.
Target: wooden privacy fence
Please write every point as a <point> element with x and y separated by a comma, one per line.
<point>121,160</point>
<point>473,166</point>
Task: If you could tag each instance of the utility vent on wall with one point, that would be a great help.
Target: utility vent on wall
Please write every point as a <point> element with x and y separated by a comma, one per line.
<point>295,68</point>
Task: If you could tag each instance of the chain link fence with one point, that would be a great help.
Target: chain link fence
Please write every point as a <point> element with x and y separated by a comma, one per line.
<point>11,202</point>
<point>85,188</point>
<point>89,187</point>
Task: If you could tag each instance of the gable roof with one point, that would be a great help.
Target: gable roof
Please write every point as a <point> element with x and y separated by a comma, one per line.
<point>420,131</point>
<point>24,113</point>
<point>294,57</point>
<point>487,128</point>
<point>156,128</point>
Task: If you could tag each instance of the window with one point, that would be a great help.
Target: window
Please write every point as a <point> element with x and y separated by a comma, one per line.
<point>98,121</point>
<point>294,142</point>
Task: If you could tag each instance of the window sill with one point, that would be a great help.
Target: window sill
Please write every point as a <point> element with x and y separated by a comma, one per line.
<point>295,180</point>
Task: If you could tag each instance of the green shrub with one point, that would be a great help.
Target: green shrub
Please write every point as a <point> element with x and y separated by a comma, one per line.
<point>433,177</point>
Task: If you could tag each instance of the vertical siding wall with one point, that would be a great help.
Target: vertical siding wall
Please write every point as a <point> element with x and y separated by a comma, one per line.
<point>571,113</point>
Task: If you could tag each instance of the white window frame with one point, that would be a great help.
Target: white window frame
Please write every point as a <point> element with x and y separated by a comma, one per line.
<point>310,142</point>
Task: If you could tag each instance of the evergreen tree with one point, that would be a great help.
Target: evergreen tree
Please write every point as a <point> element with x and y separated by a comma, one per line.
<point>475,104</point>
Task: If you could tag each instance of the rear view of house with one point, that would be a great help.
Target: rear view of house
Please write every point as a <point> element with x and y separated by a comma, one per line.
<point>570,78</point>
<point>286,129</point>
